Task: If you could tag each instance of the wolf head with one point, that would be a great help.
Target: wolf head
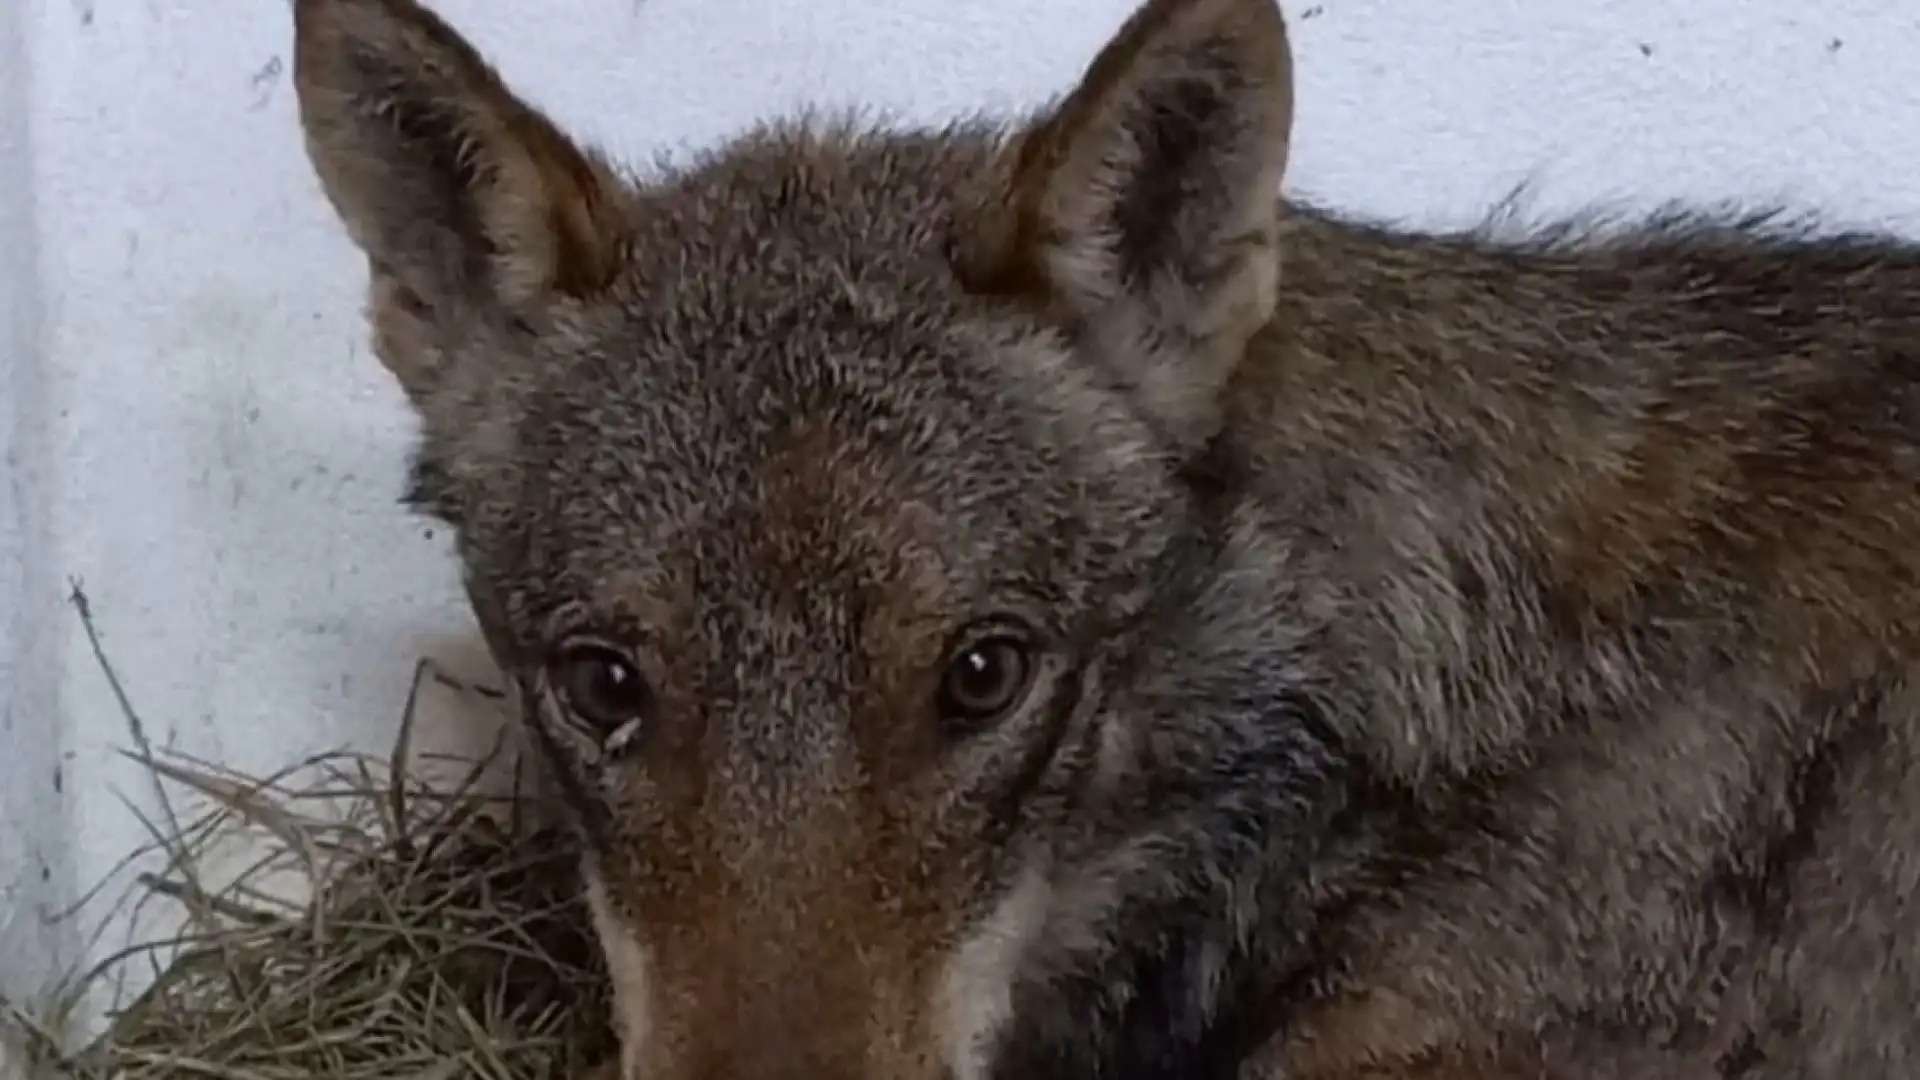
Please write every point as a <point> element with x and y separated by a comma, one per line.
<point>825,495</point>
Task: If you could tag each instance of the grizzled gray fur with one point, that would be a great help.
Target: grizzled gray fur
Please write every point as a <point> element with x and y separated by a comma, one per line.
<point>1020,600</point>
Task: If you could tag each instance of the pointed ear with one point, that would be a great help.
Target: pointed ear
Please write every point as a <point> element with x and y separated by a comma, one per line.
<point>1142,211</point>
<point>462,195</point>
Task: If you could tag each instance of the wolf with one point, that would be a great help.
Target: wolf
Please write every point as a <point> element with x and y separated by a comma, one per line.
<point>1024,599</point>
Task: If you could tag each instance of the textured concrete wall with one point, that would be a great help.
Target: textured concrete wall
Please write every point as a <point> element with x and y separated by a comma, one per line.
<point>35,874</point>
<point>195,432</point>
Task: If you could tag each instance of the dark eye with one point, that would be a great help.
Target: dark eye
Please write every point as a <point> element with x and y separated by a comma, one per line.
<point>986,678</point>
<point>601,686</point>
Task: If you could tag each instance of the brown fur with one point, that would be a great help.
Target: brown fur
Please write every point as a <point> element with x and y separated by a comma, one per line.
<point>1453,655</point>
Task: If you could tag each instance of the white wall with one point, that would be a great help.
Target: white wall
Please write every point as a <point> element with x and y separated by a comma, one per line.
<point>32,827</point>
<point>195,431</point>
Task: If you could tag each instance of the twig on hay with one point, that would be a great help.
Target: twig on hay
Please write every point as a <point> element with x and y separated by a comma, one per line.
<point>77,596</point>
<point>436,943</point>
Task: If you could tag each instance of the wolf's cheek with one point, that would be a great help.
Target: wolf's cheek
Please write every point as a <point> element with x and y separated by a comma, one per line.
<point>973,995</point>
<point>629,970</point>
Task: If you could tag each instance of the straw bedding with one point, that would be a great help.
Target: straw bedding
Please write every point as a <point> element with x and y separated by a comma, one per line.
<point>434,931</point>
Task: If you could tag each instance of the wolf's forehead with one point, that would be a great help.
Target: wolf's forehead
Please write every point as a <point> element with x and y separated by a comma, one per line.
<point>737,369</point>
<point>833,194</point>
<point>779,419</point>
<point>805,519</point>
<point>731,468</point>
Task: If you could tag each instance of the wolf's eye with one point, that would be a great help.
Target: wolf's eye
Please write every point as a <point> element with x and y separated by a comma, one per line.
<point>986,677</point>
<point>603,687</point>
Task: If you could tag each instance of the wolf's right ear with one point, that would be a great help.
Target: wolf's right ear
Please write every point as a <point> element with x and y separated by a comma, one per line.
<point>461,194</point>
<point>1142,211</point>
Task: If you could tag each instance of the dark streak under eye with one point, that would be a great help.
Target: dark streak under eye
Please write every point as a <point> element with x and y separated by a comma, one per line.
<point>586,810</point>
<point>1003,811</point>
<point>1186,552</point>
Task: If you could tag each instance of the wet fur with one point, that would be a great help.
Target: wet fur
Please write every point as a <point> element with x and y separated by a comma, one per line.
<point>1470,655</point>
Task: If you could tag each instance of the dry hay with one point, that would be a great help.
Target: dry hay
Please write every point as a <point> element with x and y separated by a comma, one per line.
<point>442,934</point>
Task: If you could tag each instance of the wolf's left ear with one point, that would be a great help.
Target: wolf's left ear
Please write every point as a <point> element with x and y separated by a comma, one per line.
<point>1142,210</point>
<point>453,185</point>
